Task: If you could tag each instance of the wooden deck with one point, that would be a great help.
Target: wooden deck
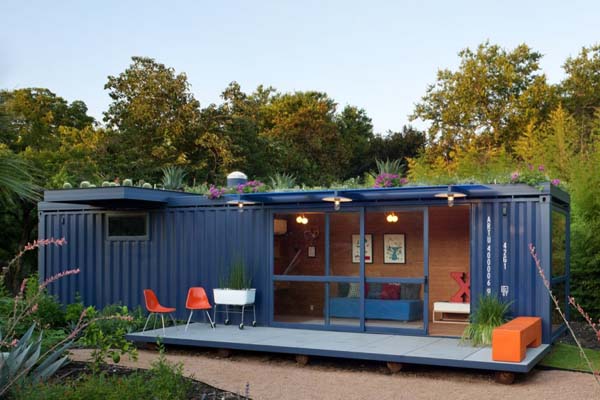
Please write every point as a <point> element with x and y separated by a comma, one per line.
<point>424,350</point>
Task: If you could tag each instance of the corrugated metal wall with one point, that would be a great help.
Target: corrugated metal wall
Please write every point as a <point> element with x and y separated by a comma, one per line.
<point>193,246</point>
<point>502,232</point>
<point>186,247</point>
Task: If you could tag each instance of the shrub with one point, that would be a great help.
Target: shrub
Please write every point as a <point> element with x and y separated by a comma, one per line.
<point>105,334</point>
<point>173,178</point>
<point>490,313</point>
<point>163,381</point>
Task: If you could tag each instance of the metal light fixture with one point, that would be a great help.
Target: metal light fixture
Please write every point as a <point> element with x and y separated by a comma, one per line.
<point>337,201</point>
<point>240,203</point>
<point>301,219</point>
<point>392,218</point>
<point>450,195</point>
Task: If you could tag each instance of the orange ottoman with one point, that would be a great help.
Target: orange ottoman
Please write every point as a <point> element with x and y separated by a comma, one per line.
<point>510,341</point>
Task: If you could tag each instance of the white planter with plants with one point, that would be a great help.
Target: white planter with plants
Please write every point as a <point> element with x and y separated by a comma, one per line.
<point>234,297</point>
<point>235,291</point>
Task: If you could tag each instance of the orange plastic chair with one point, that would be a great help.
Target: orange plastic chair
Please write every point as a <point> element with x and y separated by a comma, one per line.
<point>197,300</point>
<point>155,308</point>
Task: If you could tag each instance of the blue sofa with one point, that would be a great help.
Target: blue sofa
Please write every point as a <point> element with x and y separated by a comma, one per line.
<point>397,310</point>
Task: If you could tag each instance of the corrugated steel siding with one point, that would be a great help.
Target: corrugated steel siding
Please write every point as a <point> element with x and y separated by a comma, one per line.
<point>521,226</point>
<point>192,246</point>
<point>186,247</point>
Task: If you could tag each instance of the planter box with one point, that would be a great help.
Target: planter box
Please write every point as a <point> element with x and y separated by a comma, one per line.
<point>234,297</point>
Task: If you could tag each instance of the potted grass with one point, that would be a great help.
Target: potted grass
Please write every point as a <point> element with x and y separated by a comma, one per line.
<point>490,313</point>
<point>235,290</point>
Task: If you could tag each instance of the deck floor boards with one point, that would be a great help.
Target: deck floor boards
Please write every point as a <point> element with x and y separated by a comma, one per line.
<point>427,350</point>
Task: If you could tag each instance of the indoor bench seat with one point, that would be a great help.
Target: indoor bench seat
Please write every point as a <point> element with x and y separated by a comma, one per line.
<point>448,312</point>
<point>510,341</point>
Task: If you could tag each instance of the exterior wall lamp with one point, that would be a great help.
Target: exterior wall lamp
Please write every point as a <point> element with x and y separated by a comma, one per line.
<point>450,195</point>
<point>337,201</point>
<point>240,203</point>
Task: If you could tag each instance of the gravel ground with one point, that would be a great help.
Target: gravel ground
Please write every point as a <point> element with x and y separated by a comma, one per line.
<point>278,377</point>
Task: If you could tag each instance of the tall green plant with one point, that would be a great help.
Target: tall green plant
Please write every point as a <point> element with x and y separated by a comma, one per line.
<point>237,278</point>
<point>490,314</point>
<point>281,181</point>
<point>389,167</point>
<point>173,178</point>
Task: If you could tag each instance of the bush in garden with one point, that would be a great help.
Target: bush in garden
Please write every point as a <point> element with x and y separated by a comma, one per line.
<point>163,381</point>
<point>105,334</point>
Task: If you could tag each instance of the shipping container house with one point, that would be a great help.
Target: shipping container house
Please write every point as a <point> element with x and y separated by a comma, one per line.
<point>381,260</point>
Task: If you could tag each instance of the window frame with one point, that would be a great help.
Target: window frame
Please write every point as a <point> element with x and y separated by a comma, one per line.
<point>146,217</point>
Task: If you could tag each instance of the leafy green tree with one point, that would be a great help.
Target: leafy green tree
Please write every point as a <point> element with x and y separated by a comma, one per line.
<point>403,145</point>
<point>356,134</point>
<point>580,90</point>
<point>305,140</point>
<point>245,119</point>
<point>155,122</point>
<point>487,102</point>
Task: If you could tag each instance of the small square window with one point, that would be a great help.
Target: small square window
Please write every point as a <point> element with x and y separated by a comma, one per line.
<point>127,227</point>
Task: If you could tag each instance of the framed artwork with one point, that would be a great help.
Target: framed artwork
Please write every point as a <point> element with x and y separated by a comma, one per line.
<point>394,251</point>
<point>368,249</point>
<point>312,251</point>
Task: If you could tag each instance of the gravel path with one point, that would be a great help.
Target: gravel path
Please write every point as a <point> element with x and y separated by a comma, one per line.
<point>278,377</point>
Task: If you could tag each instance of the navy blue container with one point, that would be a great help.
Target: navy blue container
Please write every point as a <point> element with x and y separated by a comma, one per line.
<point>190,241</point>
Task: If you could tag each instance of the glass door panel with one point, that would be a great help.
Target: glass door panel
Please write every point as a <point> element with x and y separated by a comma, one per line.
<point>395,279</point>
<point>299,244</point>
<point>344,261</point>
<point>299,302</point>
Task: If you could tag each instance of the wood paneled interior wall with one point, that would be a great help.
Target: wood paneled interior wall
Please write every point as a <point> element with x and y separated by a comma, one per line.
<point>448,252</point>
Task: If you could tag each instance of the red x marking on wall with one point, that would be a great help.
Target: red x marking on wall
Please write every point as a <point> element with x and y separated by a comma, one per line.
<point>464,293</point>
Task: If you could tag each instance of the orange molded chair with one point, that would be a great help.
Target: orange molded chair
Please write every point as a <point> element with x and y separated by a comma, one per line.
<point>197,300</point>
<point>154,308</point>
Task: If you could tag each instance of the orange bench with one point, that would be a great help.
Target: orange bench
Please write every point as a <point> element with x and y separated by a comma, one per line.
<point>510,341</point>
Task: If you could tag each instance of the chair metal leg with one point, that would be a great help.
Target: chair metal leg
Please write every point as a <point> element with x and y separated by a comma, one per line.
<point>147,320</point>
<point>189,319</point>
<point>173,319</point>
<point>212,324</point>
<point>162,318</point>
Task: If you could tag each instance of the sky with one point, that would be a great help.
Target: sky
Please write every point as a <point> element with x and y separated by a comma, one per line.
<point>377,55</point>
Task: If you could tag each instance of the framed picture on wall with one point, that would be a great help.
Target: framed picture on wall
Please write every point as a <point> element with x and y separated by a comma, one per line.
<point>394,251</point>
<point>368,249</point>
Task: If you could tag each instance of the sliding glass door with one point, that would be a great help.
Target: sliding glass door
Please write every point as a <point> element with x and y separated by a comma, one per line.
<point>396,290</point>
<point>354,269</point>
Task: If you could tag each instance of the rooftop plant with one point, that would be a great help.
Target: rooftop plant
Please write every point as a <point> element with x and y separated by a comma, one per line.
<point>173,178</point>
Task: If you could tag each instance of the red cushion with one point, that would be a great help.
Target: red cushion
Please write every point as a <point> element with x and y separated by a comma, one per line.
<point>390,291</point>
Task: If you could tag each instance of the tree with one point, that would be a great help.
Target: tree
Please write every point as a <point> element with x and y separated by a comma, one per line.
<point>304,137</point>
<point>356,134</point>
<point>403,145</point>
<point>246,118</point>
<point>487,102</point>
<point>156,122</point>
<point>580,90</point>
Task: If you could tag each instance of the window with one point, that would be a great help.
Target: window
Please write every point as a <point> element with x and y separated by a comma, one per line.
<point>127,227</point>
